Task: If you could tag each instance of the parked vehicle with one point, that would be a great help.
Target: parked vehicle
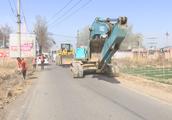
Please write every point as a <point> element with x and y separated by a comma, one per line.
<point>46,60</point>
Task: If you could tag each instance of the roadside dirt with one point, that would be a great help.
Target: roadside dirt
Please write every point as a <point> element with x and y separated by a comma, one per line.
<point>157,90</point>
<point>11,86</point>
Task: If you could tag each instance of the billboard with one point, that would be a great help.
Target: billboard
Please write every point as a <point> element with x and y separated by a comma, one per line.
<point>27,45</point>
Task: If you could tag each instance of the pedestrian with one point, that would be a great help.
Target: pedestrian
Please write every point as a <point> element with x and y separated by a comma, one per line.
<point>34,63</point>
<point>42,62</point>
<point>19,64</point>
<point>23,68</point>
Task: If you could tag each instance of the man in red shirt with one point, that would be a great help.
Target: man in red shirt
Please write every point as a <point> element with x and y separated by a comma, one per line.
<point>23,68</point>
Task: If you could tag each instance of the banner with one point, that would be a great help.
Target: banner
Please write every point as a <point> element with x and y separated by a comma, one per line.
<point>25,48</point>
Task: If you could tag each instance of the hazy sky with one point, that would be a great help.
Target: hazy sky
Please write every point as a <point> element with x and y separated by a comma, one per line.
<point>152,18</point>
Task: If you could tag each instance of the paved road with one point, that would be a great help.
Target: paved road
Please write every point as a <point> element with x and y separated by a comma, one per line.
<point>57,96</point>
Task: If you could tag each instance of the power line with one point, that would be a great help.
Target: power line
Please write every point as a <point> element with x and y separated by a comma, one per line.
<point>24,18</point>
<point>12,18</point>
<point>12,9</point>
<point>62,35</point>
<point>77,3</point>
<point>74,12</point>
<point>25,22</point>
<point>60,10</point>
<point>15,7</point>
<point>12,14</point>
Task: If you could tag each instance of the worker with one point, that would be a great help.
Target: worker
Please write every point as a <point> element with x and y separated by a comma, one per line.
<point>23,68</point>
<point>42,62</point>
<point>21,64</point>
<point>34,63</point>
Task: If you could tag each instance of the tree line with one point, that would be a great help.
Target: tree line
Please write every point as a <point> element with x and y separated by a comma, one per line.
<point>5,30</point>
<point>132,40</point>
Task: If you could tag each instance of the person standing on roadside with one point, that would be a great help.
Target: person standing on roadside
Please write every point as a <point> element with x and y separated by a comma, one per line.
<point>21,64</point>
<point>42,62</point>
<point>23,68</point>
<point>34,63</point>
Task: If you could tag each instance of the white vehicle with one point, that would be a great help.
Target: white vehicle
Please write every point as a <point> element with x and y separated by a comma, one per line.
<point>38,60</point>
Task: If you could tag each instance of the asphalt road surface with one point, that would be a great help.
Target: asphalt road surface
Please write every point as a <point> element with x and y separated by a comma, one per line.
<point>55,95</point>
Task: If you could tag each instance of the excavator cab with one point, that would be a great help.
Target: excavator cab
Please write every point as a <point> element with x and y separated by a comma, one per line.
<point>66,46</point>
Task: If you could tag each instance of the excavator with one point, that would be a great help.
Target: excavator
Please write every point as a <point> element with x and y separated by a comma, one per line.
<point>106,35</point>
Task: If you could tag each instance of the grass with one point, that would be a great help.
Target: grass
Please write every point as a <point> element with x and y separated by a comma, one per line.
<point>163,75</point>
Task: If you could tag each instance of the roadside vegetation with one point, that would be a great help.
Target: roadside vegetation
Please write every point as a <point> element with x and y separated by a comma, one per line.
<point>159,70</point>
<point>11,82</point>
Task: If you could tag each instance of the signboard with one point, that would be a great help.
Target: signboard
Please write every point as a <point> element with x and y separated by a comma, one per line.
<point>27,45</point>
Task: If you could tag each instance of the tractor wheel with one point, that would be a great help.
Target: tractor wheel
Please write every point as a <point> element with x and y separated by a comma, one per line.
<point>77,70</point>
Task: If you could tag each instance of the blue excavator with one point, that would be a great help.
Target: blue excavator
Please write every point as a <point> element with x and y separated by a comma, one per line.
<point>106,35</point>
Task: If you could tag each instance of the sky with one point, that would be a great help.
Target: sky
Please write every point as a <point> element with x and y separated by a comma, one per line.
<point>152,18</point>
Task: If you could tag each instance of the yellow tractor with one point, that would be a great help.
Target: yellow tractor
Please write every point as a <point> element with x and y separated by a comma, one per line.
<point>65,54</point>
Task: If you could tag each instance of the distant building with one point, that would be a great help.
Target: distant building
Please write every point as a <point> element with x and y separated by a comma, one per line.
<point>123,54</point>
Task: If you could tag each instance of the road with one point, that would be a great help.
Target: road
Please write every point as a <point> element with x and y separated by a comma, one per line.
<point>55,95</point>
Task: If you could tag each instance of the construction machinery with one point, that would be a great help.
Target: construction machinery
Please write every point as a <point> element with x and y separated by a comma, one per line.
<point>65,54</point>
<point>106,35</point>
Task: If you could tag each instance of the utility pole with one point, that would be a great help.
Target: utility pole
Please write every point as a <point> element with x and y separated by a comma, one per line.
<point>77,41</point>
<point>168,44</point>
<point>19,26</point>
<point>167,35</point>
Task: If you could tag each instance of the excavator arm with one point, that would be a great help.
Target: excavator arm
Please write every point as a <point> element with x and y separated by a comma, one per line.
<point>113,41</point>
